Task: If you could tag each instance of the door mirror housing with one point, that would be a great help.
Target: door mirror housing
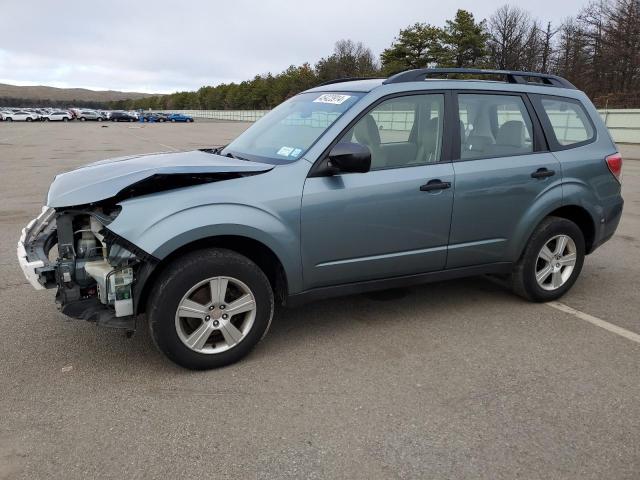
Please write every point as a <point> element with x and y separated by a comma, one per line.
<point>348,157</point>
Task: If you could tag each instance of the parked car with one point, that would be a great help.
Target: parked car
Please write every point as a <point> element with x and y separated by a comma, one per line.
<point>21,116</point>
<point>155,117</point>
<point>330,194</point>
<point>58,115</point>
<point>179,117</point>
<point>89,115</point>
<point>122,117</point>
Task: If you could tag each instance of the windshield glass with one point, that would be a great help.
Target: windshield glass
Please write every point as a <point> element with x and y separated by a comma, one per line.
<point>288,131</point>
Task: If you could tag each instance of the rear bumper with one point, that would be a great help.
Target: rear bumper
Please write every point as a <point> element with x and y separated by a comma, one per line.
<point>33,250</point>
<point>608,223</point>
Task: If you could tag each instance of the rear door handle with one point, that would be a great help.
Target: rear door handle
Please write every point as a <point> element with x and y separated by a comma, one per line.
<point>435,184</point>
<point>543,173</point>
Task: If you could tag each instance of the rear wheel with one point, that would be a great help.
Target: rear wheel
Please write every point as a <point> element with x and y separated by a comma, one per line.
<point>8,119</point>
<point>99,119</point>
<point>209,308</point>
<point>29,119</point>
<point>82,119</point>
<point>65,119</point>
<point>551,262</point>
<point>46,119</point>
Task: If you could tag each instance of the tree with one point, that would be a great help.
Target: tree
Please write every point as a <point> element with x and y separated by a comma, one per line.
<point>349,59</point>
<point>465,41</point>
<point>509,29</point>
<point>417,46</point>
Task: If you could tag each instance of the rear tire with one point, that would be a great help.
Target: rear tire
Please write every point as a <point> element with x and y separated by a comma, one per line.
<point>65,119</point>
<point>551,262</point>
<point>204,339</point>
<point>8,119</point>
<point>29,119</point>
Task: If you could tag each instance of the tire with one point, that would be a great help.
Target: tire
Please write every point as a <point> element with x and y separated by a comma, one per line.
<point>65,119</point>
<point>46,119</point>
<point>179,283</point>
<point>99,119</point>
<point>131,120</point>
<point>190,120</point>
<point>8,119</point>
<point>555,283</point>
<point>173,120</point>
<point>82,119</point>
<point>29,119</point>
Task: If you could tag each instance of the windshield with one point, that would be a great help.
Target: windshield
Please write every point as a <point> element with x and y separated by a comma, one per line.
<point>288,131</point>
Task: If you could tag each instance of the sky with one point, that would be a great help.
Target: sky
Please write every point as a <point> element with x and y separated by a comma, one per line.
<point>164,46</point>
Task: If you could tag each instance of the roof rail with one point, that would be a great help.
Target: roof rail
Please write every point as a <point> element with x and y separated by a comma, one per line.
<point>348,79</point>
<point>511,76</point>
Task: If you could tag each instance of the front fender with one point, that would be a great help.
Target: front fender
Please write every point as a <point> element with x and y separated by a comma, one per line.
<point>160,235</point>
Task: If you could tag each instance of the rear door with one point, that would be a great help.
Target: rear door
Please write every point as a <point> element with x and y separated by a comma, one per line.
<point>502,168</point>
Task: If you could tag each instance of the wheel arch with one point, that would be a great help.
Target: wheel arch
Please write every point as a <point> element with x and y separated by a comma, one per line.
<point>575,213</point>
<point>582,218</point>
<point>256,251</point>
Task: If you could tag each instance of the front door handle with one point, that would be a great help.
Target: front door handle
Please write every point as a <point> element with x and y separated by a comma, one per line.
<point>543,173</point>
<point>435,184</point>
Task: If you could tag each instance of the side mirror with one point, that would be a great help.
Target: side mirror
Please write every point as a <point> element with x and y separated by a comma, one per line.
<point>347,157</point>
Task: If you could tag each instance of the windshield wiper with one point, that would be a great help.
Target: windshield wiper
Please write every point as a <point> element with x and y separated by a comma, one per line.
<point>237,157</point>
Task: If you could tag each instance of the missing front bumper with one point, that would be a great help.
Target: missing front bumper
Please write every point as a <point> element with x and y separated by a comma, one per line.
<point>33,249</point>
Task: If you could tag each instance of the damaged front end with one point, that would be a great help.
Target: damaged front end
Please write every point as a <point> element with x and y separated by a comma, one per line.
<point>70,246</point>
<point>94,271</point>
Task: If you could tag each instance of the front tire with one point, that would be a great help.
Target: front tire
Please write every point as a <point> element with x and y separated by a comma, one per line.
<point>551,262</point>
<point>209,308</point>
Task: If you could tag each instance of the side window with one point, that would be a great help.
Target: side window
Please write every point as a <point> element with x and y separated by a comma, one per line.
<point>493,126</point>
<point>402,131</point>
<point>568,120</point>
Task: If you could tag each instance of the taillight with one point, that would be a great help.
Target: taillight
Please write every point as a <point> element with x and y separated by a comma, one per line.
<point>614,162</point>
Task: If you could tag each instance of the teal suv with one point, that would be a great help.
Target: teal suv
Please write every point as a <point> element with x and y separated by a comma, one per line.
<point>356,185</point>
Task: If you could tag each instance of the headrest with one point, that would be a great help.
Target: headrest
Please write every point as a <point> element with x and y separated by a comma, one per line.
<point>511,134</point>
<point>366,131</point>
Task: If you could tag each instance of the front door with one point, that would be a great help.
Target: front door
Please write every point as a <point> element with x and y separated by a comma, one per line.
<point>381,224</point>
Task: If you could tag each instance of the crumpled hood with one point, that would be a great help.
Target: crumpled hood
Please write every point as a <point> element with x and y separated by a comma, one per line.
<point>105,179</point>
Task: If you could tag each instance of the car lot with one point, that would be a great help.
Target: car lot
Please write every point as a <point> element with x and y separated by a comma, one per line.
<point>452,380</point>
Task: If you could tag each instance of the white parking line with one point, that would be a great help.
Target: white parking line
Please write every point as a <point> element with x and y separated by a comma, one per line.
<point>623,332</point>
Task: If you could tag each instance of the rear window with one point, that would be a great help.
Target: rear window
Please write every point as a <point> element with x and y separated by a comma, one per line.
<point>569,122</point>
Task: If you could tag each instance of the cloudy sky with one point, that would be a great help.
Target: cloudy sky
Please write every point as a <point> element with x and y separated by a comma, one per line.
<point>163,46</point>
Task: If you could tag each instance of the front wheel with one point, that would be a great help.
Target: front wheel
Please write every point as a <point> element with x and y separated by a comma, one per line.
<point>209,308</point>
<point>551,262</point>
<point>29,119</point>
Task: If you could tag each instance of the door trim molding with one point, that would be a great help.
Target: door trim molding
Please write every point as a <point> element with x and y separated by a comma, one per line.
<point>396,282</point>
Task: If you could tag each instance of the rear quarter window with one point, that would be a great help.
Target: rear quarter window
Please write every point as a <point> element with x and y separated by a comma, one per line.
<point>569,123</point>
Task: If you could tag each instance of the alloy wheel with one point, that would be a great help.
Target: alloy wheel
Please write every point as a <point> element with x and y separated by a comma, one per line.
<point>556,262</point>
<point>215,315</point>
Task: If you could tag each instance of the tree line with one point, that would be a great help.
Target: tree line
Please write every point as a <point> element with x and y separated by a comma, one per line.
<point>598,50</point>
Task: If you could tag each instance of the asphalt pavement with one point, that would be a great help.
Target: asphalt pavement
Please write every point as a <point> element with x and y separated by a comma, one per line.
<point>455,380</point>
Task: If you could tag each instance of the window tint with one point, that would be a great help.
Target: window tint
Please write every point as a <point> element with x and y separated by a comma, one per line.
<point>493,126</point>
<point>568,120</point>
<point>402,131</point>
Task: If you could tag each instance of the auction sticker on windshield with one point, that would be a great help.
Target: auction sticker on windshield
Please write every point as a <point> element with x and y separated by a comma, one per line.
<point>333,98</point>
